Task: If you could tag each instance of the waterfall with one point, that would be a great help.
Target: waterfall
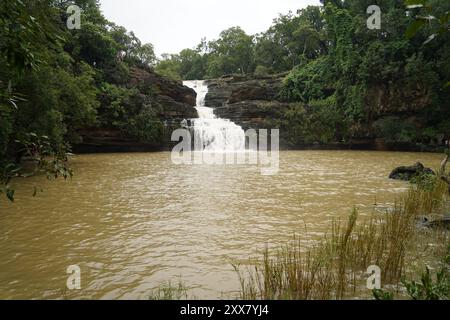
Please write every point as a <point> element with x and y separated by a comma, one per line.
<point>212,134</point>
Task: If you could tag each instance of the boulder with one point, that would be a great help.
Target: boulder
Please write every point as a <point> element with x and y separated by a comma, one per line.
<point>424,222</point>
<point>407,173</point>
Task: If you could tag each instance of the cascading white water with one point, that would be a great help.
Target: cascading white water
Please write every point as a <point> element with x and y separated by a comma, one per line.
<point>213,134</point>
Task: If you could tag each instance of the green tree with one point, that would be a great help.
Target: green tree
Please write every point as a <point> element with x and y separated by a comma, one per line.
<point>231,53</point>
<point>169,66</point>
<point>146,54</point>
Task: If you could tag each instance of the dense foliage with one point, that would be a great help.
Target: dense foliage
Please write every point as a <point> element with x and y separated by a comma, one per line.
<point>383,84</point>
<point>55,81</point>
<point>288,41</point>
<point>352,81</point>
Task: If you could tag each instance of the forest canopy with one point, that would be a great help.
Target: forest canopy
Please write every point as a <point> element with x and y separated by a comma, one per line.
<point>352,80</point>
<point>55,81</point>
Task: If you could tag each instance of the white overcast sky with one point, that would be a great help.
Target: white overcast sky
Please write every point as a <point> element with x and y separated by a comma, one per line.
<point>172,25</point>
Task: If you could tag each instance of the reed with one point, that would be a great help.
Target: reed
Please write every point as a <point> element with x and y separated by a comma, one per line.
<point>335,267</point>
<point>170,292</point>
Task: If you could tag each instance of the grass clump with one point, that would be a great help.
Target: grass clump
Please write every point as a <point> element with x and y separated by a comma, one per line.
<point>336,266</point>
<point>170,292</point>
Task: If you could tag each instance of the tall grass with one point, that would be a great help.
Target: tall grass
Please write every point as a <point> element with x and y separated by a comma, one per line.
<point>335,267</point>
<point>170,292</point>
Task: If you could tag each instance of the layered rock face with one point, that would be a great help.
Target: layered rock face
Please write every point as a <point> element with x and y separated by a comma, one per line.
<point>173,102</point>
<point>246,100</point>
<point>166,89</point>
<point>176,100</point>
<point>254,103</point>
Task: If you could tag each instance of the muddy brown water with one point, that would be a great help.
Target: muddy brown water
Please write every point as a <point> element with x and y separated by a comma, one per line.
<point>132,222</point>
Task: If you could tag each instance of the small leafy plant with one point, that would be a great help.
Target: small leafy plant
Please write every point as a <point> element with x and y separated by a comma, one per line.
<point>45,158</point>
<point>380,294</point>
<point>428,288</point>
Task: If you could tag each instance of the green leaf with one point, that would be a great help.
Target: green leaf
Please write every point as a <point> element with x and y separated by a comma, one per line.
<point>414,27</point>
<point>444,19</point>
<point>430,38</point>
<point>415,2</point>
<point>10,194</point>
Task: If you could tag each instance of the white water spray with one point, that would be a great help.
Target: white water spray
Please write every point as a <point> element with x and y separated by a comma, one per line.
<point>213,134</point>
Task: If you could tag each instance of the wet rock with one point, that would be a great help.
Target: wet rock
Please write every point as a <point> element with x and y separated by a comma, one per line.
<point>407,173</point>
<point>424,222</point>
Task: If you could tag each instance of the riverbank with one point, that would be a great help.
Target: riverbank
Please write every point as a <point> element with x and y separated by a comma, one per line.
<point>115,144</point>
<point>387,255</point>
<point>391,242</point>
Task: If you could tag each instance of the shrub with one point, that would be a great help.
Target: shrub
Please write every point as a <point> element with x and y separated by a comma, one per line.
<point>428,288</point>
<point>262,71</point>
<point>394,129</point>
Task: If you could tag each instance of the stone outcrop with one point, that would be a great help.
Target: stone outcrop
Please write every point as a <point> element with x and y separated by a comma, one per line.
<point>407,173</point>
<point>246,100</point>
<point>254,102</point>
<point>172,101</point>
<point>163,87</point>
<point>237,88</point>
<point>424,222</point>
<point>97,140</point>
<point>252,114</point>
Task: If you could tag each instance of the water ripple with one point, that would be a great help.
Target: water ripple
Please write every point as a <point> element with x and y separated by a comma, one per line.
<point>134,221</point>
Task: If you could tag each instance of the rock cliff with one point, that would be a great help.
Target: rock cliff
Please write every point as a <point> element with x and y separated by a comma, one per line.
<point>172,101</point>
<point>254,102</point>
<point>246,100</point>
